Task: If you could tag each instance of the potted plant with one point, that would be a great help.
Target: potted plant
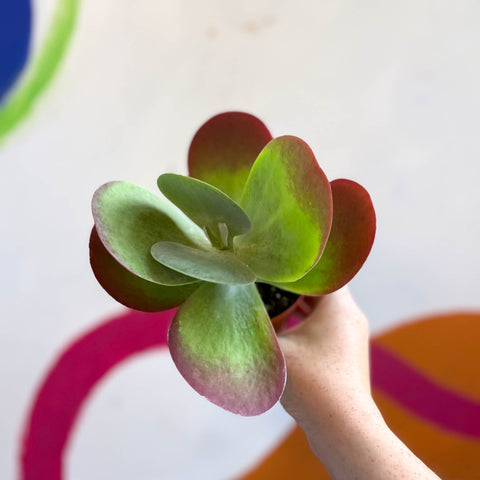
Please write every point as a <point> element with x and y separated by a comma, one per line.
<point>257,218</point>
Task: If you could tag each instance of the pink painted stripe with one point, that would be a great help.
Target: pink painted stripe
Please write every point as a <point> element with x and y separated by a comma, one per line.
<point>78,369</point>
<point>422,396</point>
<point>70,380</point>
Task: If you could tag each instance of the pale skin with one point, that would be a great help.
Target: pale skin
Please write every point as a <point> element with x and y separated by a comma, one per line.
<point>328,394</point>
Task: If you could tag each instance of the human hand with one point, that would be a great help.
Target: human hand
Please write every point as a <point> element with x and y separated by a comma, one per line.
<point>328,394</point>
<point>327,356</point>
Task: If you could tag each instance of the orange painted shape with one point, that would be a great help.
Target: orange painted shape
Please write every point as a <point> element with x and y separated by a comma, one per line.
<point>446,348</point>
<point>292,459</point>
<point>452,457</point>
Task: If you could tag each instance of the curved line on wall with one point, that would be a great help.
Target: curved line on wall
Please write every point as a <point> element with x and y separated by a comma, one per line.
<point>15,40</point>
<point>428,400</point>
<point>70,380</point>
<point>43,68</point>
<point>66,386</point>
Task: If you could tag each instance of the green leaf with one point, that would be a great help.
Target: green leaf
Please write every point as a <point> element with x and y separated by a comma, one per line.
<point>349,243</point>
<point>212,265</point>
<point>130,290</point>
<point>211,209</point>
<point>224,345</point>
<point>130,219</point>
<point>224,149</point>
<point>288,200</point>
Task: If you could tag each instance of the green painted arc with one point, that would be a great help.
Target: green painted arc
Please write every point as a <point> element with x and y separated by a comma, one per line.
<point>43,68</point>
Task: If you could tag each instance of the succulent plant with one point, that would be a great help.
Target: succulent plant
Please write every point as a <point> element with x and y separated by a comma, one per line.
<point>254,209</point>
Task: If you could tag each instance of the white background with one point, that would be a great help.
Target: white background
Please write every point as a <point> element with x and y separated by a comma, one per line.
<point>385,92</point>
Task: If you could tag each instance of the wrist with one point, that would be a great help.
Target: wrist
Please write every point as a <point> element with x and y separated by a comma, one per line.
<point>328,402</point>
<point>341,423</point>
<point>353,441</point>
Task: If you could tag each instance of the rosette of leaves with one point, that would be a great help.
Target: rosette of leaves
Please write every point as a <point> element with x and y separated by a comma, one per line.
<point>254,209</point>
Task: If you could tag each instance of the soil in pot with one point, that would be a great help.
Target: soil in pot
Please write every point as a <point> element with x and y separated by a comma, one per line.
<point>277,303</point>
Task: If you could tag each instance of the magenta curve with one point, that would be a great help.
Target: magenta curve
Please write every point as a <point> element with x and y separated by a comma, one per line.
<point>79,368</point>
<point>70,380</point>
<point>421,396</point>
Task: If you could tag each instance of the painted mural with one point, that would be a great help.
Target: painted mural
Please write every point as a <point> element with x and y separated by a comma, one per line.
<point>25,73</point>
<point>93,90</point>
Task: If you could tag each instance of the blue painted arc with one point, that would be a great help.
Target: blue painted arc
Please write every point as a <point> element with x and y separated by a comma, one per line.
<point>15,35</point>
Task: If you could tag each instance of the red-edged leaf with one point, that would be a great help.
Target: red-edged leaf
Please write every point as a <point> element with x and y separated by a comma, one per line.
<point>288,200</point>
<point>129,289</point>
<point>224,149</point>
<point>349,243</point>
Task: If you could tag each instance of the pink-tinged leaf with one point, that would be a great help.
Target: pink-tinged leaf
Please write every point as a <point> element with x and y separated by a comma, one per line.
<point>224,345</point>
<point>224,149</point>
<point>349,243</point>
<point>129,220</point>
<point>129,289</point>
<point>289,202</point>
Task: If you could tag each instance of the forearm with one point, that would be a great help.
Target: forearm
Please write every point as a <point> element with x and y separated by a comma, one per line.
<point>353,442</point>
<point>328,394</point>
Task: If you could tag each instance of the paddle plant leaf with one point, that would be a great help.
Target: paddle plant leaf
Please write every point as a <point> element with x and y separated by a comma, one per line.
<point>212,265</point>
<point>224,345</point>
<point>224,149</point>
<point>207,206</point>
<point>129,289</point>
<point>129,220</point>
<point>288,200</point>
<point>349,243</point>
